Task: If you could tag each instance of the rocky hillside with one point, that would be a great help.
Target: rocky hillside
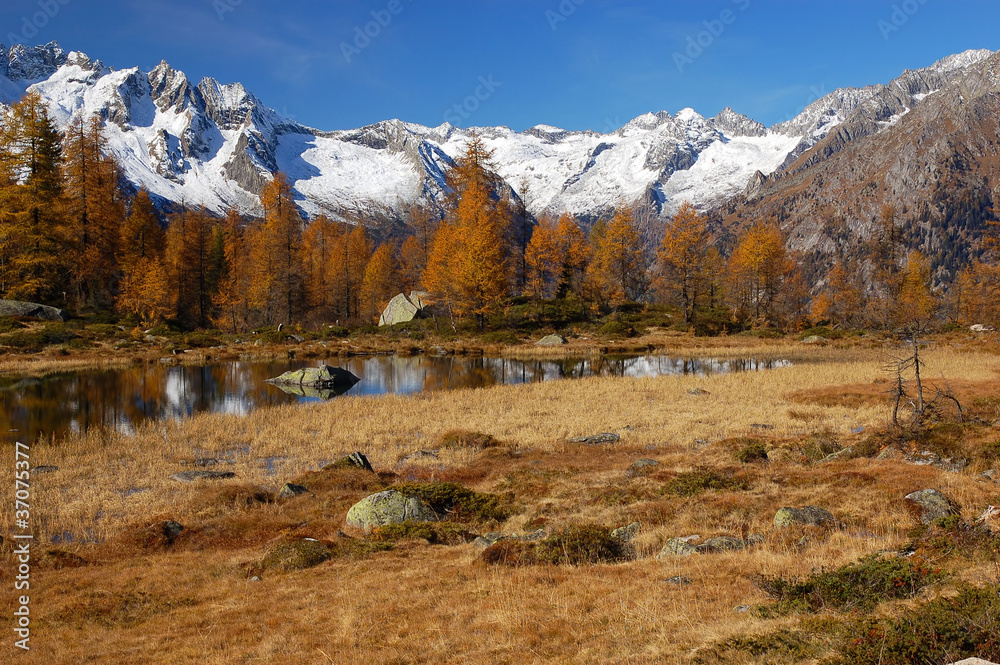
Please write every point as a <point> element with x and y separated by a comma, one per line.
<point>927,144</point>
<point>217,144</point>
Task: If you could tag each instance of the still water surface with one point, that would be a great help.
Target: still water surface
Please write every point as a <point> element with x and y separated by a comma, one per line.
<point>121,397</point>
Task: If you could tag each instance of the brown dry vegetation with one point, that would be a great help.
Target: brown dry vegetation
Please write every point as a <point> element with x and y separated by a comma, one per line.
<point>122,592</point>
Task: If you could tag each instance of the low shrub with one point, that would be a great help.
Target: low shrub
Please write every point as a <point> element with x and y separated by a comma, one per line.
<point>780,647</point>
<point>618,330</point>
<point>7,324</point>
<point>462,438</point>
<point>461,503</point>
<point>502,337</point>
<point>945,630</point>
<point>857,586</point>
<point>575,545</point>
<point>753,451</point>
<point>436,533</point>
<point>692,483</point>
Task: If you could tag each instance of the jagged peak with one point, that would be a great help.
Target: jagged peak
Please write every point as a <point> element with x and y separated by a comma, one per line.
<point>33,62</point>
<point>962,60</point>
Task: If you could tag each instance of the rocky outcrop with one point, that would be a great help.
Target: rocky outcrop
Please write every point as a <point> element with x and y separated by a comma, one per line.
<point>32,310</point>
<point>389,507</point>
<point>551,340</point>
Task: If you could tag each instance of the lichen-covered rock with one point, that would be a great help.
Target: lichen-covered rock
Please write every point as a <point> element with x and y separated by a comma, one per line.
<point>627,533</point>
<point>551,340</point>
<point>722,544</point>
<point>402,309</point>
<point>389,507</point>
<point>805,516</point>
<point>930,504</point>
<point>676,547</point>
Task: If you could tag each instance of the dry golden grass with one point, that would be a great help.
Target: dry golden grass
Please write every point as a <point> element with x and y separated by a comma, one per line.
<point>139,600</point>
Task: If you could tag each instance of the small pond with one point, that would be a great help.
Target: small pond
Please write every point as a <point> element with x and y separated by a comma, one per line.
<point>120,397</point>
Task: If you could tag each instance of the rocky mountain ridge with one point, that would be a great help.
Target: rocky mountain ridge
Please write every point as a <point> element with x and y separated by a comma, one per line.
<point>217,144</point>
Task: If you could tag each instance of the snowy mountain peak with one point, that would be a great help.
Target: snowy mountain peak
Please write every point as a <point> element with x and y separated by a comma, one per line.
<point>217,144</point>
<point>961,60</point>
<point>731,123</point>
<point>26,63</point>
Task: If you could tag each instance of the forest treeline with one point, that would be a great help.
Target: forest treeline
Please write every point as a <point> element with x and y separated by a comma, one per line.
<point>73,234</point>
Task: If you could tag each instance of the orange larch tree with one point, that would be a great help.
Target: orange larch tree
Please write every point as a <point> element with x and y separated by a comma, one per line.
<point>681,259</point>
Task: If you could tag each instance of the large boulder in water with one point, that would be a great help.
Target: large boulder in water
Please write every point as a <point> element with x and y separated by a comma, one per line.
<point>318,380</point>
<point>31,309</point>
<point>389,507</point>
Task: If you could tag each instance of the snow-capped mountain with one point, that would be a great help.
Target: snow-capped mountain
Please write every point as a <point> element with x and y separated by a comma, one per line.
<point>215,144</point>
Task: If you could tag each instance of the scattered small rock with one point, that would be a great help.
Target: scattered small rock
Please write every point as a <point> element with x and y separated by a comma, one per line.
<point>761,426</point>
<point>356,460</point>
<point>989,474</point>
<point>929,505</point>
<point>551,340</point>
<point>596,439</point>
<point>741,609</point>
<point>169,360</point>
<point>288,490</point>
<point>697,392</point>
<point>814,339</point>
<point>806,516</point>
<point>359,460</point>
<point>679,580</point>
<point>195,476</point>
<point>44,468</point>
<point>297,338</point>
<point>676,547</point>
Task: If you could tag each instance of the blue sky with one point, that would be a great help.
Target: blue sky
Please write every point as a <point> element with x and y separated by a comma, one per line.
<point>577,64</point>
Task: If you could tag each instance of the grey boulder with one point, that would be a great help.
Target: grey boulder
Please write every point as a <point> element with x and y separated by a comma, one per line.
<point>389,507</point>
<point>930,505</point>
<point>805,516</point>
<point>32,309</point>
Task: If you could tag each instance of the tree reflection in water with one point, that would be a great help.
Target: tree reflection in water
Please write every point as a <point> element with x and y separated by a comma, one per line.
<point>120,398</point>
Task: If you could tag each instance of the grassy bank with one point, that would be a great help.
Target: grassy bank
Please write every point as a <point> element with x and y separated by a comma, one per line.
<point>115,590</point>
